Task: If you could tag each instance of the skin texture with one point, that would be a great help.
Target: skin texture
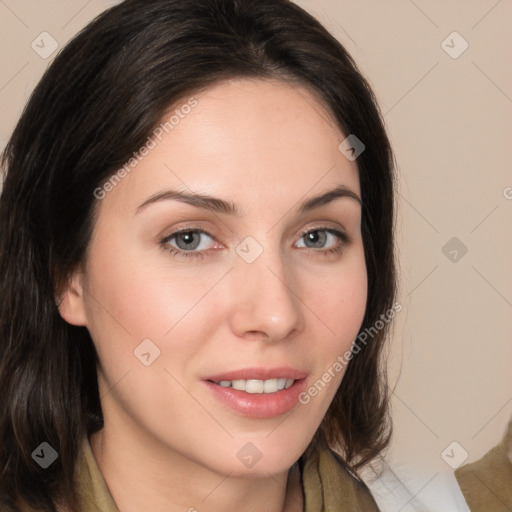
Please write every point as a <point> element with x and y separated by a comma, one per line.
<point>168,443</point>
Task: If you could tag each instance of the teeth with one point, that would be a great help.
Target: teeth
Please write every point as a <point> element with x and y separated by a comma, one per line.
<point>270,386</point>
<point>254,386</point>
<point>238,384</point>
<point>258,386</point>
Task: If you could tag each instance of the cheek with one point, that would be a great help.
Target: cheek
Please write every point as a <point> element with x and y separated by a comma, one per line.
<point>338,305</point>
<point>130,302</point>
<point>340,299</point>
<point>132,298</point>
<point>141,296</point>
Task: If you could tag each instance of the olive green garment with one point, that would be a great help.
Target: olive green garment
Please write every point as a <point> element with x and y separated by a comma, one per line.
<point>328,487</point>
<point>487,483</point>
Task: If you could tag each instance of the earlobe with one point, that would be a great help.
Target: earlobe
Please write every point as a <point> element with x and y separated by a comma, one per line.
<point>71,301</point>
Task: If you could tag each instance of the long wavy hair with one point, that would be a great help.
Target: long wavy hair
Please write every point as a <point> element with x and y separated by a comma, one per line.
<point>95,106</point>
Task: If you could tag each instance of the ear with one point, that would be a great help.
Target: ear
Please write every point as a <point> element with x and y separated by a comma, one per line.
<point>71,300</point>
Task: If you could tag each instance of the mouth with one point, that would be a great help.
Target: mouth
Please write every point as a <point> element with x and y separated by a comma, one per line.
<point>258,392</point>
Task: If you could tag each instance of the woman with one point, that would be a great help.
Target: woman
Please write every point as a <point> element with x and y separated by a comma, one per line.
<point>197,268</point>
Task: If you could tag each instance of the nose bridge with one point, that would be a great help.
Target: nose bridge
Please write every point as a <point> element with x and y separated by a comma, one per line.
<point>266,298</point>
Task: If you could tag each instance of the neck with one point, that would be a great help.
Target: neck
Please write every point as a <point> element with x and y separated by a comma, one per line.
<point>142,475</point>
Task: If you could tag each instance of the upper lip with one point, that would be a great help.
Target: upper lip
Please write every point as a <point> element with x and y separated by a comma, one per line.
<point>259,374</point>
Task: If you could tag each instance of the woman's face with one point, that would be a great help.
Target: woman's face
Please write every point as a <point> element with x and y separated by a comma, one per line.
<point>271,294</point>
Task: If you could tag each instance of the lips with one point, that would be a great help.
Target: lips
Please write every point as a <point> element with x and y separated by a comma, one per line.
<point>258,374</point>
<point>257,396</point>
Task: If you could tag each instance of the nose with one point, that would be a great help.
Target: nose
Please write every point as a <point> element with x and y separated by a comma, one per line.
<point>266,302</point>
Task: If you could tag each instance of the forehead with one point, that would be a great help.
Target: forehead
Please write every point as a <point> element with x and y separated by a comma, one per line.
<point>251,140</point>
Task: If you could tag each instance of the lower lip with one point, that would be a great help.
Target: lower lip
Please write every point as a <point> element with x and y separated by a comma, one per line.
<point>259,405</point>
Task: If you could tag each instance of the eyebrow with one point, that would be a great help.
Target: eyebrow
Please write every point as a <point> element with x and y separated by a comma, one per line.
<point>218,205</point>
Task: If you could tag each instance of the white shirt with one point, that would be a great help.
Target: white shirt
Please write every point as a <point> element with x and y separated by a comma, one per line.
<point>405,488</point>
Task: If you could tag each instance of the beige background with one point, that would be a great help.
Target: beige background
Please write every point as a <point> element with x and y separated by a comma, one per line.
<point>450,122</point>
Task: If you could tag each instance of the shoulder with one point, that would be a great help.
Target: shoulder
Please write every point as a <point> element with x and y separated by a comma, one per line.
<point>487,483</point>
<point>358,486</point>
<point>328,482</point>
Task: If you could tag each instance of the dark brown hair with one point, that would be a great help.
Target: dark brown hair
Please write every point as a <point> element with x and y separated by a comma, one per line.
<point>94,107</point>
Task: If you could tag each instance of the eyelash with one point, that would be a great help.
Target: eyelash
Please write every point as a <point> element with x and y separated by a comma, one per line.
<point>164,242</point>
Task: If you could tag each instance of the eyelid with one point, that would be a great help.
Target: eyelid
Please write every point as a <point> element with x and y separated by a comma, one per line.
<point>187,229</point>
<point>337,232</point>
<point>320,227</point>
